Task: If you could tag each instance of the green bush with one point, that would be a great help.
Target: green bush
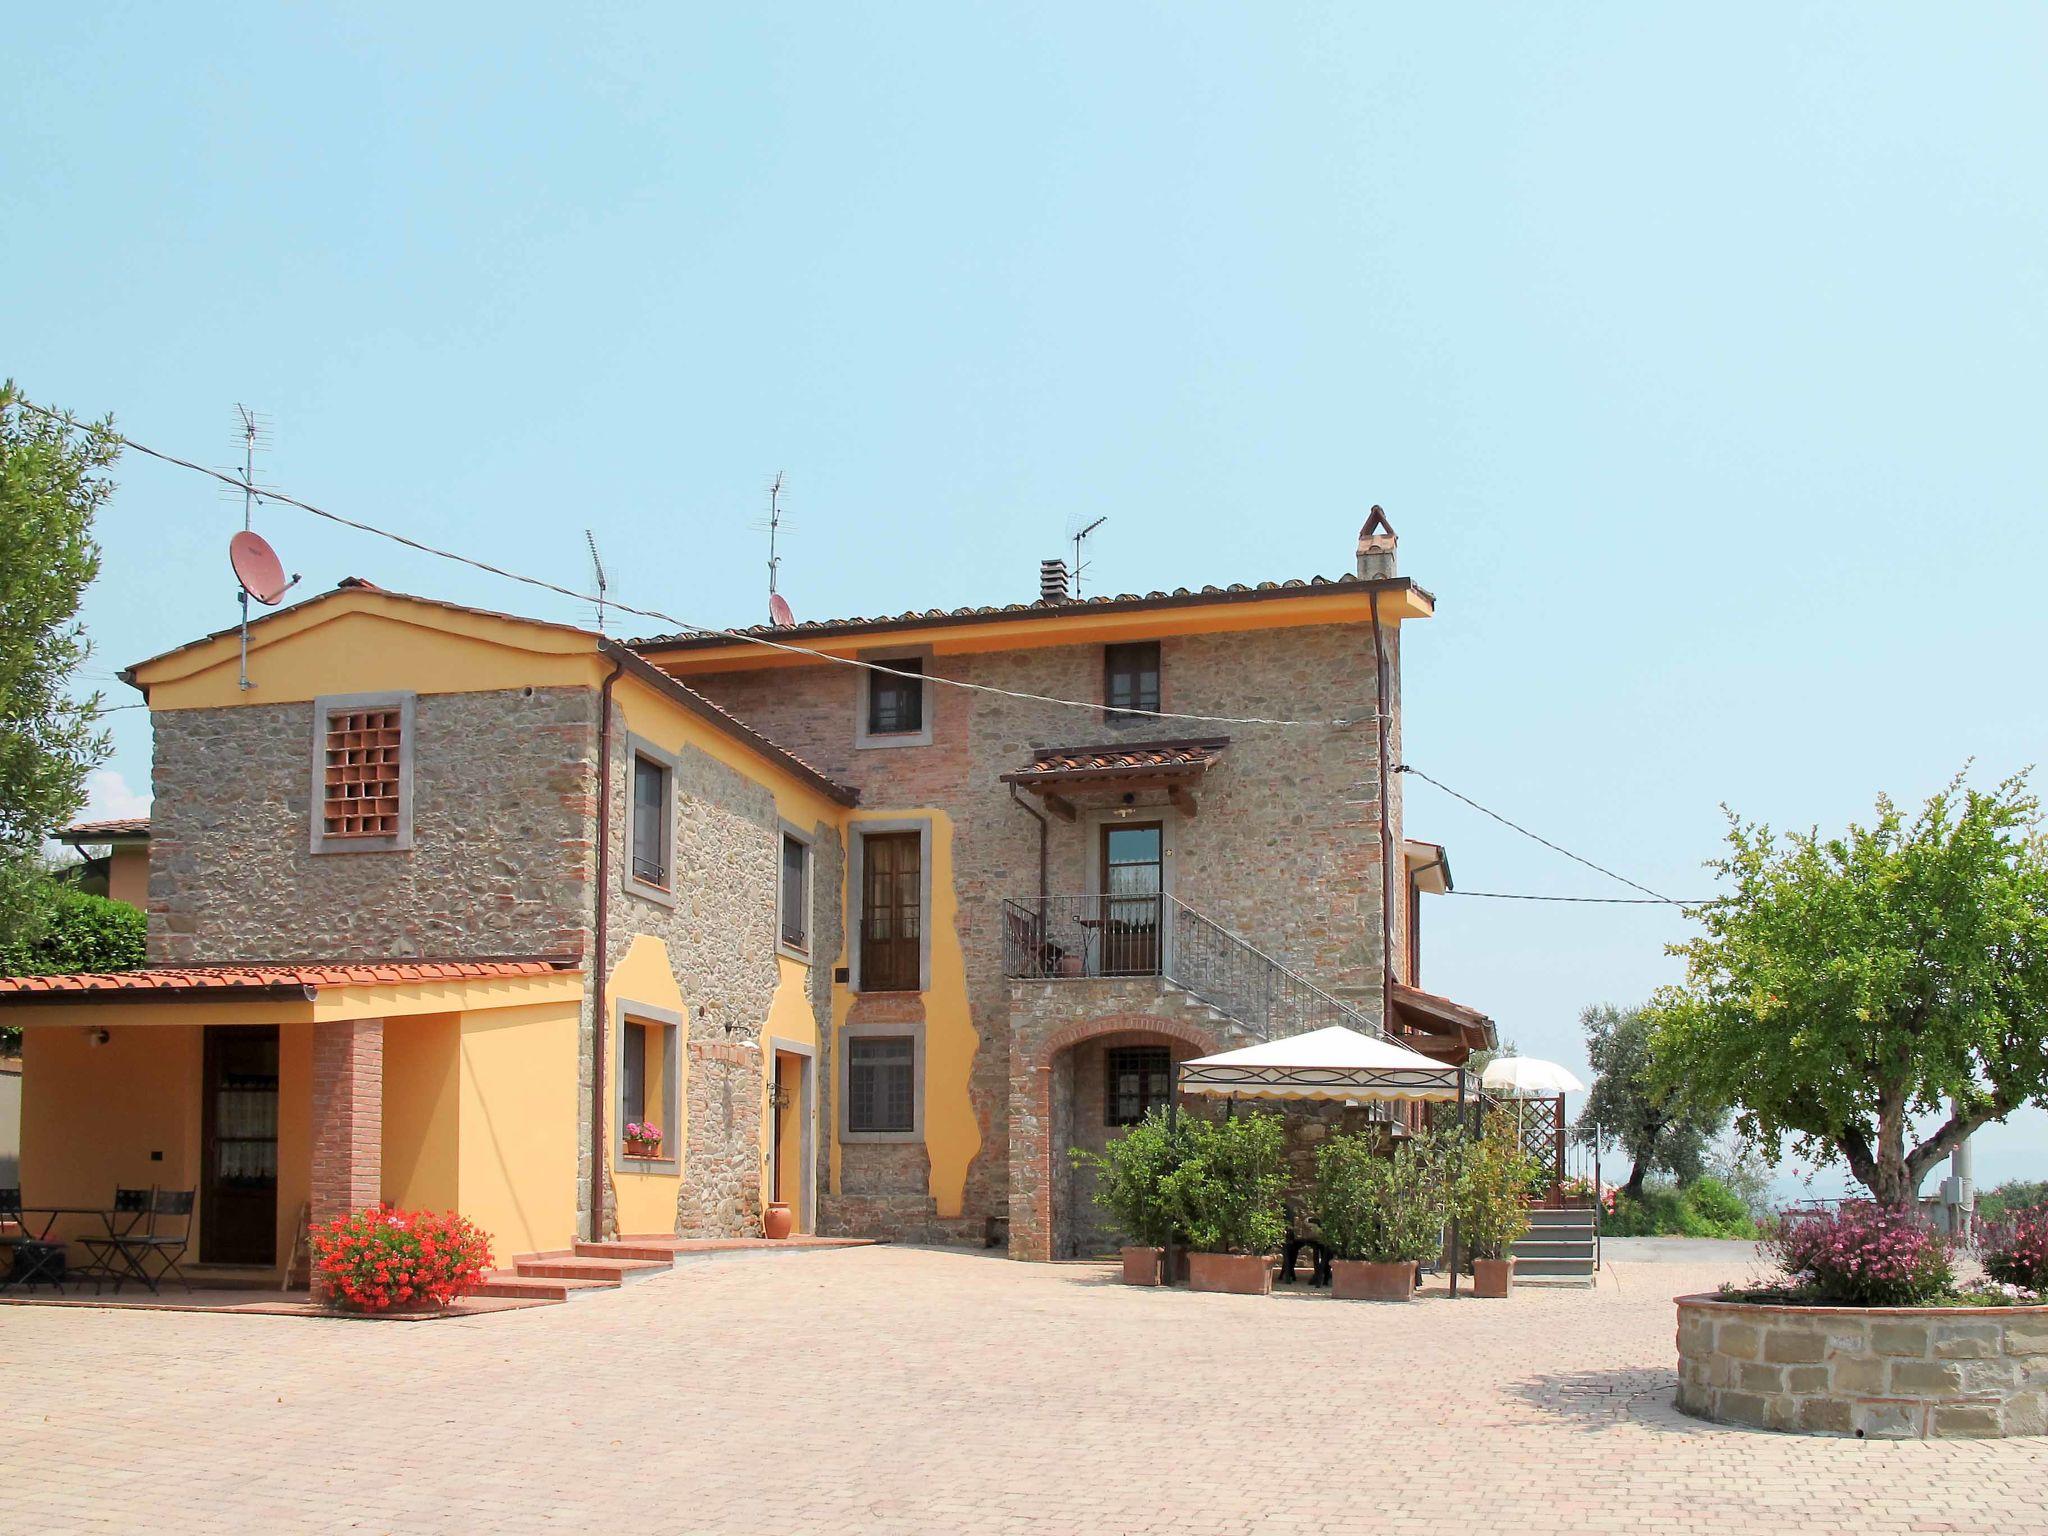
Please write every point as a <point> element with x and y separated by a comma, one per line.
<point>1492,1180</point>
<point>1704,1208</point>
<point>1226,1194</point>
<point>1380,1208</point>
<point>1131,1170</point>
<point>83,932</point>
<point>2013,1195</point>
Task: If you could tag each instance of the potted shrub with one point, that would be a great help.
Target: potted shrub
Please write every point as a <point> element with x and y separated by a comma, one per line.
<point>1381,1215</point>
<point>642,1140</point>
<point>1489,1198</point>
<point>1129,1173</point>
<point>1225,1196</point>
<point>386,1260</point>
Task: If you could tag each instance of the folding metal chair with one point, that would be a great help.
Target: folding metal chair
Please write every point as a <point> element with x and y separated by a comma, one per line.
<point>30,1260</point>
<point>129,1211</point>
<point>152,1255</point>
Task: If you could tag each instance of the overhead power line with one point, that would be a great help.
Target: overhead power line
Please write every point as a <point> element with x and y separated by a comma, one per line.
<point>1595,901</point>
<point>1516,826</point>
<point>268,493</point>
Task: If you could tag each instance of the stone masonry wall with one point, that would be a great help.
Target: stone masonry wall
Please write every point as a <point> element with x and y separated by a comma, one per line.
<point>500,862</point>
<point>1900,1373</point>
<point>1285,849</point>
<point>720,935</point>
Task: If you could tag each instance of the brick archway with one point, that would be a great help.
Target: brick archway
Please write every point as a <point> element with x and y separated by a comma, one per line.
<point>1031,1115</point>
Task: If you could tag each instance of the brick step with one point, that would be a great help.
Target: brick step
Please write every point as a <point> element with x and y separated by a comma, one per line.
<point>655,1249</point>
<point>1543,1248</point>
<point>1545,1268</point>
<point>502,1285</point>
<point>607,1272</point>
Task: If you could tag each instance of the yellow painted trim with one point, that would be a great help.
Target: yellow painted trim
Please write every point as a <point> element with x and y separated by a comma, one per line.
<point>1025,632</point>
<point>384,1001</point>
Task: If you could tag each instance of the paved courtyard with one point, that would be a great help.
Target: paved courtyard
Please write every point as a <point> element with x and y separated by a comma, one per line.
<point>894,1389</point>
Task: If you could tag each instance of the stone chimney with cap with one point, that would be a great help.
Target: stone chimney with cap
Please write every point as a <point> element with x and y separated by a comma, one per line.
<point>1376,544</point>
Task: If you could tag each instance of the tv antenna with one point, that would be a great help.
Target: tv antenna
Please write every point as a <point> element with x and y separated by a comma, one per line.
<point>778,607</point>
<point>258,571</point>
<point>597,569</point>
<point>1078,534</point>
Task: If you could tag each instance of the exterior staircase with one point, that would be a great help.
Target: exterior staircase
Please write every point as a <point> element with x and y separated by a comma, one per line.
<point>1561,1248</point>
<point>588,1267</point>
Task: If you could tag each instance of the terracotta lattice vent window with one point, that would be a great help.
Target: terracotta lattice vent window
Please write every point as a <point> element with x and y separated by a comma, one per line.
<point>364,751</point>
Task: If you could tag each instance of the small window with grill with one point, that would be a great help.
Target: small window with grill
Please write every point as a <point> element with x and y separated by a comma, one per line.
<point>651,831</point>
<point>794,897</point>
<point>881,1084</point>
<point>1140,1078</point>
<point>1130,679</point>
<point>362,773</point>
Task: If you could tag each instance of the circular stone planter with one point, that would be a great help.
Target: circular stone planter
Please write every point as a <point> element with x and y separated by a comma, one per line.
<point>1889,1373</point>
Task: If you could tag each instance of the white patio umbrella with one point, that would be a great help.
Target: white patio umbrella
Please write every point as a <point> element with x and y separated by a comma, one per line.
<point>1528,1077</point>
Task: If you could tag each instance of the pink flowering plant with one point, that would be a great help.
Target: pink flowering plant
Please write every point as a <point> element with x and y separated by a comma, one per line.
<point>1862,1254</point>
<point>2014,1251</point>
<point>637,1130</point>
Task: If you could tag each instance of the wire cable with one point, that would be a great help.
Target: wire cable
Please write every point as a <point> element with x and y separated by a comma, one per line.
<point>1597,901</point>
<point>264,493</point>
<point>1633,885</point>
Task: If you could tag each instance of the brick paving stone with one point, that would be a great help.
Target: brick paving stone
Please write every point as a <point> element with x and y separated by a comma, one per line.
<point>900,1389</point>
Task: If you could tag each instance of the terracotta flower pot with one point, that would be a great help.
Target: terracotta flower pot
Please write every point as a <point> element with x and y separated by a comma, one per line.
<point>643,1148</point>
<point>1365,1280</point>
<point>1142,1265</point>
<point>1235,1274</point>
<point>1492,1277</point>
<point>777,1222</point>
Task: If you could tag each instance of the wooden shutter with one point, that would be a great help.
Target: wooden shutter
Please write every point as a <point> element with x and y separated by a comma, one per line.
<point>891,923</point>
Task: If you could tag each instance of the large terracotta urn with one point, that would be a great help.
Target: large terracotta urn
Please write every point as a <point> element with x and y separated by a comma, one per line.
<point>777,1221</point>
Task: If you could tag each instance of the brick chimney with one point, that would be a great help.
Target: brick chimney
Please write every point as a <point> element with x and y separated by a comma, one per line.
<point>1376,543</point>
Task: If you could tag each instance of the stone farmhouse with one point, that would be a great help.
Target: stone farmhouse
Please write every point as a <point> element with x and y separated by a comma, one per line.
<point>583,937</point>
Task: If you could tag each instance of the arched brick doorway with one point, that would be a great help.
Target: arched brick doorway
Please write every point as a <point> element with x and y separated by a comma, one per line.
<point>1061,1096</point>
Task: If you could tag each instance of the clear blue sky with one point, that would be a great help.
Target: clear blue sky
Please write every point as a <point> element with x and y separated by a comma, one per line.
<point>1697,354</point>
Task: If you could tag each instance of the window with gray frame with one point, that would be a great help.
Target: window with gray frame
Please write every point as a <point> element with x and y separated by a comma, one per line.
<point>796,892</point>
<point>651,832</point>
<point>881,1080</point>
<point>896,704</point>
<point>1130,679</point>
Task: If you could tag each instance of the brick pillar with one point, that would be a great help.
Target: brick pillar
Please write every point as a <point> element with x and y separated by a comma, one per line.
<point>348,1117</point>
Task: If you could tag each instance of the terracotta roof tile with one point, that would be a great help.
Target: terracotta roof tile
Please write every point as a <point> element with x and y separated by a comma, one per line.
<point>1173,759</point>
<point>170,982</point>
<point>99,831</point>
<point>1236,591</point>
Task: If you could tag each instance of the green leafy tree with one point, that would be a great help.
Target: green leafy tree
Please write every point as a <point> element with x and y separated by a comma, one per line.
<point>52,481</point>
<point>1656,1124</point>
<point>1849,986</point>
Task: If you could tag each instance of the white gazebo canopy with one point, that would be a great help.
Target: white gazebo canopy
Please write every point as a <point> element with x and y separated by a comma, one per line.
<point>1529,1077</point>
<point>1333,1063</point>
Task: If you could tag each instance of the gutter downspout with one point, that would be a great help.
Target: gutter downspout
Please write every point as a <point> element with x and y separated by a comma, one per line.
<point>1044,831</point>
<point>600,935</point>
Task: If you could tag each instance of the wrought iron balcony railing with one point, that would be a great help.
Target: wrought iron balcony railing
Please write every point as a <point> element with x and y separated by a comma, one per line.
<point>1158,935</point>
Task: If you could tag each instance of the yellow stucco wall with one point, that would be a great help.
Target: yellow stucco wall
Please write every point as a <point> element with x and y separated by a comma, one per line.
<point>92,1115</point>
<point>128,874</point>
<point>952,1132</point>
<point>518,1128</point>
<point>422,1117</point>
<point>789,1018</point>
<point>645,1195</point>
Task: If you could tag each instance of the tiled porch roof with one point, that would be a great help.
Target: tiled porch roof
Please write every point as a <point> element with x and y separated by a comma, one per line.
<point>119,828</point>
<point>172,983</point>
<point>1116,760</point>
<point>1429,1015</point>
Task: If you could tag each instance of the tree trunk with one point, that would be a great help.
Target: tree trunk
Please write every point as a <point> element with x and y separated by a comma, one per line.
<point>1638,1171</point>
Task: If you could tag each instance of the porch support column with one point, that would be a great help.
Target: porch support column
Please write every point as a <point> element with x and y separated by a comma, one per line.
<point>1030,1158</point>
<point>348,1117</point>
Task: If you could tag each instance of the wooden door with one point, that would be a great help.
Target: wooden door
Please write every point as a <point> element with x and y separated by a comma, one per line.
<point>891,920</point>
<point>1133,878</point>
<point>238,1176</point>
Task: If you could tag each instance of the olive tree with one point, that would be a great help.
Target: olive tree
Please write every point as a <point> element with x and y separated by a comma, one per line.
<point>1849,990</point>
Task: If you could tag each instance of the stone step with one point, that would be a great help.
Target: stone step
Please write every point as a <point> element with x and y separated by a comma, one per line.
<point>503,1285</point>
<point>1542,1248</point>
<point>1554,1268</point>
<point>1550,1216</point>
<point>658,1250</point>
<point>607,1272</point>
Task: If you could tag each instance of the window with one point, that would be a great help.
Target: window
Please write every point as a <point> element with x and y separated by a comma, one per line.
<point>1140,1076</point>
<point>650,827</point>
<point>896,704</point>
<point>362,772</point>
<point>892,912</point>
<point>1130,678</point>
<point>650,1072</point>
<point>795,896</point>
<point>881,1077</point>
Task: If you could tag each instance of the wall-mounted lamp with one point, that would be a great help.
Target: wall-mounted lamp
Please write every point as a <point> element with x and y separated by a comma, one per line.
<point>98,1036</point>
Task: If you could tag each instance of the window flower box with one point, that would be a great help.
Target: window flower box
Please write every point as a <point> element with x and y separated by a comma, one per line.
<point>643,1140</point>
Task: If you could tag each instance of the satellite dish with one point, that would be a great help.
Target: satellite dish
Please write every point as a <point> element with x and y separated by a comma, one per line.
<point>258,569</point>
<point>779,613</point>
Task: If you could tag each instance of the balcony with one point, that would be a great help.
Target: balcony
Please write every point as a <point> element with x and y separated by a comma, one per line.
<point>1157,935</point>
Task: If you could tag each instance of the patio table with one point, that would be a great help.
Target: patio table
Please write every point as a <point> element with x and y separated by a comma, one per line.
<point>51,1214</point>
